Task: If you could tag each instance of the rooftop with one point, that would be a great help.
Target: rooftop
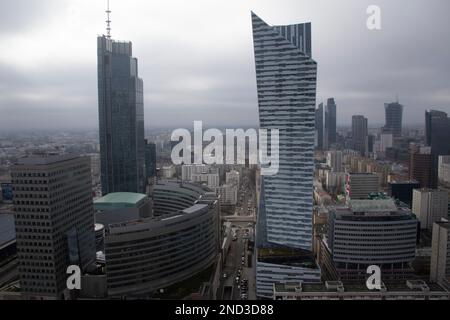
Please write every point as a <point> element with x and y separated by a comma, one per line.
<point>119,200</point>
<point>44,159</point>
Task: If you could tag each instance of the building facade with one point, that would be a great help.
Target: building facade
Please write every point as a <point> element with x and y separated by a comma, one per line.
<point>430,206</point>
<point>361,185</point>
<point>54,220</point>
<point>121,118</point>
<point>394,118</point>
<point>286,81</point>
<point>360,135</point>
<point>330,123</point>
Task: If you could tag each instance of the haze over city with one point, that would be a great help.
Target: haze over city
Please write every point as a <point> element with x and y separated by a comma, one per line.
<point>196,59</point>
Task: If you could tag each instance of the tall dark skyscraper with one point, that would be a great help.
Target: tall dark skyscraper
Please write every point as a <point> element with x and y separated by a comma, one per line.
<point>394,118</point>
<point>437,136</point>
<point>121,117</point>
<point>319,126</point>
<point>360,134</point>
<point>330,123</point>
<point>286,81</point>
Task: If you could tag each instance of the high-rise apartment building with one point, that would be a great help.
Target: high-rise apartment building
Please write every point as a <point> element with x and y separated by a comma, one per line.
<point>330,123</point>
<point>121,118</point>
<point>440,254</point>
<point>430,206</point>
<point>54,219</point>
<point>286,81</point>
<point>360,135</point>
<point>394,118</point>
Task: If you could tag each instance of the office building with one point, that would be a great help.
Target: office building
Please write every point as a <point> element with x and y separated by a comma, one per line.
<point>319,127</point>
<point>444,175</point>
<point>360,135</point>
<point>403,191</point>
<point>394,119</point>
<point>286,82</point>
<point>372,232</point>
<point>165,249</point>
<point>361,185</point>
<point>420,168</point>
<point>430,206</point>
<point>330,124</point>
<point>54,219</point>
<point>121,118</point>
<point>437,131</point>
<point>440,253</point>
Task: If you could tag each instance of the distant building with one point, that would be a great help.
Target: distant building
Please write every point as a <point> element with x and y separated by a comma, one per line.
<point>444,175</point>
<point>440,254</point>
<point>372,232</point>
<point>168,172</point>
<point>394,119</point>
<point>319,127</point>
<point>228,194</point>
<point>430,206</point>
<point>330,124</point>
<point>420,165</point>
<point>360,135</point>
<point>403,191</point>
<point>150,159</point>
<point>334,161</point>
<point>54,219</point>
<point>437,133</point>
<point>361,185</point>
<point>232,178</point>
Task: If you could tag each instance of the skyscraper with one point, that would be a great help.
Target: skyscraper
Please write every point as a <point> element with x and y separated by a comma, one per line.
<point>360,134</point>
<point>54,219</point>
<point>319,126</point>
<point>150,159</point>
<point>437,133</point>
<point>330,123</point>
<point>286,81</point>
<point>394,118</point>
<point>121,118</point>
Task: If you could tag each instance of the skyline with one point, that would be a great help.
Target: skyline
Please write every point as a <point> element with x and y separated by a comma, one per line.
<point>199,88</point>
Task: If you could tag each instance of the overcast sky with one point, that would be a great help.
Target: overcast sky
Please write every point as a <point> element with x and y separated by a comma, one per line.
<point>196,58</point>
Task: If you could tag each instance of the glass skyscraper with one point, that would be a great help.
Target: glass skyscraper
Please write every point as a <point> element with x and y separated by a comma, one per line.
<point>286,81</point>
<point>394,118</point>
<point>121,118</point>
<point>330,123</point>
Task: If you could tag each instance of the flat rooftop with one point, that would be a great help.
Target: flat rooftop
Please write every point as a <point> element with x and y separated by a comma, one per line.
<point>119,200</point>
<point>37,160</point>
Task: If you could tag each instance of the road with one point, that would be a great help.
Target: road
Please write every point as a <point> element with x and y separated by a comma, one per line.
<point>237,261</point>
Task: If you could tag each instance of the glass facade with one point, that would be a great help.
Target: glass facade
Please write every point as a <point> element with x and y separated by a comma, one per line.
<point>121,118</point>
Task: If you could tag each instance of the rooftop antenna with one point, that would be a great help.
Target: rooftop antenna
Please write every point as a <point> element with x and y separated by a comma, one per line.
<point>108,22</point>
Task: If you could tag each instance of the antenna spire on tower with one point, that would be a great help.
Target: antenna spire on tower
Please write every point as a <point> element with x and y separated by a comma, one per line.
<point>108,21</point>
